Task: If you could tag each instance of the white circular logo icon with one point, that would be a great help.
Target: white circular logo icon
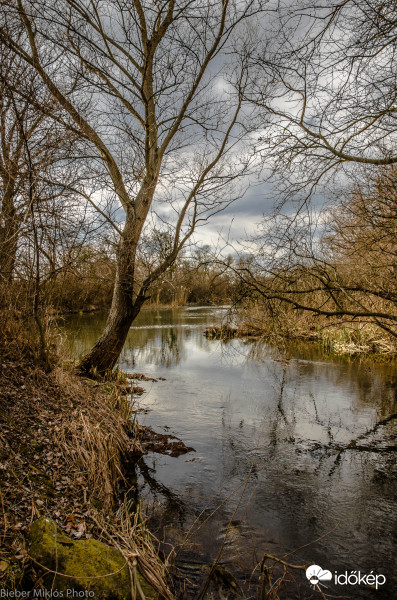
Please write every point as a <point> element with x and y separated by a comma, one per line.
<point>315,574</point>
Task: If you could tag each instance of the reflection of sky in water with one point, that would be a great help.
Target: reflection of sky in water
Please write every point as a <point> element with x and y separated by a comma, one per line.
<point>286,421</point>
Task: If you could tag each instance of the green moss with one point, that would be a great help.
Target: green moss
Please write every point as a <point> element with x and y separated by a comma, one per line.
<point>98,504</point>
<point>10,574</point>
<point>81,564</point>
<point>36,445</point>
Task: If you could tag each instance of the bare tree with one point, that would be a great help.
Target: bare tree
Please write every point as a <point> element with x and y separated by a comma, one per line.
<point>326,88</point>
<point>45,223</point>
<point>161,117</point>
<point>41,214</point>
<point>339,267</point>
<point>22,129</point>
<point>326,84</point>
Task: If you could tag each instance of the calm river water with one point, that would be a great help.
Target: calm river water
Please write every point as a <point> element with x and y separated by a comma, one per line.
<point>271,472</point>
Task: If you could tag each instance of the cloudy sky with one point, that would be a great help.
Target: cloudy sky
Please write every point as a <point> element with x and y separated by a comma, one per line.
<point>239,220</point>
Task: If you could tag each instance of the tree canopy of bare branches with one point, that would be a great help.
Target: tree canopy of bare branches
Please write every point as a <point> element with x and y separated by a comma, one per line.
<point>326,84</point>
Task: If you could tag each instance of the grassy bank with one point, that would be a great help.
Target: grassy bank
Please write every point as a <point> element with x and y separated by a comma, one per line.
<point>67,452</point>
<point>289,325</point>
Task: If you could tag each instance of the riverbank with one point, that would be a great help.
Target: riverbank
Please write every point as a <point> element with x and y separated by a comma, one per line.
<point>333,338</point>
<point>67,453</point>
<point>97,309</point>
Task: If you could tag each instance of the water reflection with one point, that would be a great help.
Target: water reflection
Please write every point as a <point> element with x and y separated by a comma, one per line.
<point>315,437</point>
<point>158,336</point>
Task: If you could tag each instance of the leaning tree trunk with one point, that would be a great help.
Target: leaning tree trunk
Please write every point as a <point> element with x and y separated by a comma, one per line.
<point>124,309</point>
<point>104,354</point>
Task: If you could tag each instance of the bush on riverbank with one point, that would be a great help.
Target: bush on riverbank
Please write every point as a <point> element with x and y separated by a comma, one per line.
<point>67,446</point>
<point>280,323</point>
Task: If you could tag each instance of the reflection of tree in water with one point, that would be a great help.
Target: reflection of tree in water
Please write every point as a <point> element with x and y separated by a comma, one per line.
<point>366,377</point>
<point>81,331</point>
<point>297,483</point>
<point>299,404</point>
<point>163,347</point>
<point>368,386</point>
<point>158,336</point>
<point>174,507</point>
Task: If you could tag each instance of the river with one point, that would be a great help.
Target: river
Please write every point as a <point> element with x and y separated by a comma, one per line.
<point>295,454</point>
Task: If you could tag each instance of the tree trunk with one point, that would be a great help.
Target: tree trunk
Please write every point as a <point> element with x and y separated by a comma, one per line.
<point>104,354</point>
<point>124,309</point>
<point>8,236</point>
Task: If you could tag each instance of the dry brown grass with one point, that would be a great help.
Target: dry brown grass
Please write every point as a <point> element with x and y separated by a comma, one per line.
<point>353,340</point>
<point>97,442</point>
<point>96,438</point>
<point>278,322</point>
<point>283,323</point>
<point>126,530</point>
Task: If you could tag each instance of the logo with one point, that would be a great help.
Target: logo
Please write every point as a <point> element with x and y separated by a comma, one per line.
<point>316,575</point>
